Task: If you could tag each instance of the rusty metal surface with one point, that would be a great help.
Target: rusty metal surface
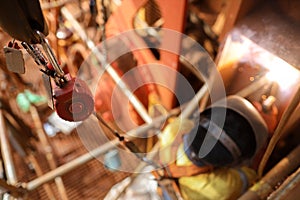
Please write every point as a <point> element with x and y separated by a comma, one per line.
<point>122,20</point>
<point>271,28</point>
<point>289,188</point>
<point>266,185</point>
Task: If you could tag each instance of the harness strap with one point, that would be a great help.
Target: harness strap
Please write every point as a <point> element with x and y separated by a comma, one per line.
<point>173,171</point>
<point>220,135</point>
<point>168,154</point>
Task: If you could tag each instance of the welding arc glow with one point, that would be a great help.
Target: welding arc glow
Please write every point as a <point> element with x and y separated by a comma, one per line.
<point>282,73</point>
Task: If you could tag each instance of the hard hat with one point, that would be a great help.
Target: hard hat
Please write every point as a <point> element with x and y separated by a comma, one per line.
<point>241,135</point>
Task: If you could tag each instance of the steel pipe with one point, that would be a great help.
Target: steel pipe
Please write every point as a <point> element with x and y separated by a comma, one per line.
<point>287,187</point>
<point>59,171</point>
<point>265,186</point>
<point>48,151</point>
<point>194,103</point>
<point>6,153</point>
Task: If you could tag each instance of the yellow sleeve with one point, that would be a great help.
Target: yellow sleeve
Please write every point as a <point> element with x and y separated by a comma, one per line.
<point>220,184</point>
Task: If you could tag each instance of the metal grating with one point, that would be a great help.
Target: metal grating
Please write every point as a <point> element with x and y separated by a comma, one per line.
<point>89,181</point>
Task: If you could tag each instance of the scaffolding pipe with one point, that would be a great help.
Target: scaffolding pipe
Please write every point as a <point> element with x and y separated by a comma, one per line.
<point>6,153</point>
<point>13,190</point>
<point>48,151</point>
<point>55,4</point>
<point>287,187</point>
<point>193,104</point>
<point>59,171</point>
<point>265,186</point>
<point>39,172</point>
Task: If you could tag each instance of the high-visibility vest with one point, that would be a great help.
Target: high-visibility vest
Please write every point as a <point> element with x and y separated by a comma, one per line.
<point>170,141</point>
<point>196,182</point>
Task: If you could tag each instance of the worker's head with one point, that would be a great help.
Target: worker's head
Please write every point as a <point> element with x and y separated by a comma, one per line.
<point>237,139</point>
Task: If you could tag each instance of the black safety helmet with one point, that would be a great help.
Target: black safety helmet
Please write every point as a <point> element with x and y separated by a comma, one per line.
<point>238,139</point>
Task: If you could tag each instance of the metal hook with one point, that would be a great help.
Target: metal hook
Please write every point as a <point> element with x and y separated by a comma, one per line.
<point>50,55</point>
